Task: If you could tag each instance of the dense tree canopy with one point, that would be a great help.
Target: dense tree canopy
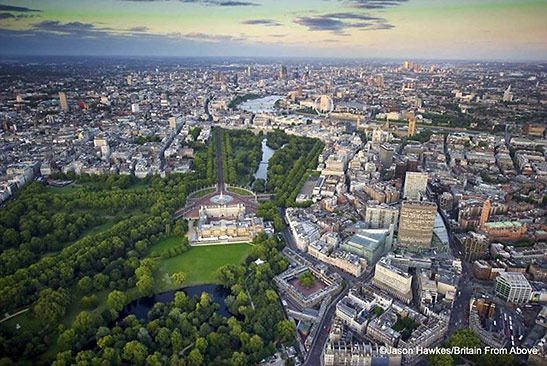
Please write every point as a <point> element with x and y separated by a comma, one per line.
<point>76,281</point>
<point>291,165</point>
<point>241,155</point>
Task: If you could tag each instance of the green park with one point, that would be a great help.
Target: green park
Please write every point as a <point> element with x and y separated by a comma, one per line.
<point>72,257</point>
<point>198,263</point>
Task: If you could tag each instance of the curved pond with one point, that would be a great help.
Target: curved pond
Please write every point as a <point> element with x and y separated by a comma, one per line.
<point>141,306</point>
<point>267,152</point>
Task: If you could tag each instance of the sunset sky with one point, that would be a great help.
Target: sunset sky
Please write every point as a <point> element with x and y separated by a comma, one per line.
<point>399,29</point>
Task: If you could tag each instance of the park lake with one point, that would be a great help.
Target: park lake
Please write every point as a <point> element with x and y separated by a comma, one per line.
<point>267,153</point>
<point>141,306</point>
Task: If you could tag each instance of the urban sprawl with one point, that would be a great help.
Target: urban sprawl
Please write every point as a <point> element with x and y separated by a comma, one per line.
<point>419,209</point>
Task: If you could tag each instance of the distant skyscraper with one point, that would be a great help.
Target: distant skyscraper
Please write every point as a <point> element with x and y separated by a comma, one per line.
<point>249,71</point>
<point>415,185</point>
<point>508,95</point>
<point>358,126</point>
<point>283,72</point>
<point>172,123</point>
<point>407,65</point>
<point>63,101</point>
<point>416,223</point>
<point>412,126</point>
<point>129,80</point>
<point>218,77</point>
<point>378,80</point>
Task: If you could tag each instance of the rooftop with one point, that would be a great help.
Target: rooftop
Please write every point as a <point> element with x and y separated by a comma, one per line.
<point>370,239</point>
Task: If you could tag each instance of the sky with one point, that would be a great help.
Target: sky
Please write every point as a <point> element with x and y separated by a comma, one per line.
<point>370,29</point>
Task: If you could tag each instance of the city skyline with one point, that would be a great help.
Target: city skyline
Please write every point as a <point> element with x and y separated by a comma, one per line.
<point>390,29</point>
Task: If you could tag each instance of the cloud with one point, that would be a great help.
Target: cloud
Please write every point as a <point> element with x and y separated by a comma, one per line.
<point>207,37</point>
<point>17,9</point>
<point>138,29</point>
<point>54,26</point>
<point>236,3</point>
<point>266,22</point>
<point>338,23</point>
<point>375,4</point>
<point>78,29</point>
<point>6,16</point>
<point>384,26</point>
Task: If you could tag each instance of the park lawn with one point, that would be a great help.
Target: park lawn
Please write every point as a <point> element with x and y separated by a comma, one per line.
<point>68,189</point>
<point>75,307</point>
<point>199,264</point>
<point>141,185</point>
<point>203,192</point>
<point>240,191</point>
<point>27,321</point>
<point>165,244</point>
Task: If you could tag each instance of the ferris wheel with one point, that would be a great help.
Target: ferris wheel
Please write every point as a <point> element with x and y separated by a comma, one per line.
<point>323,105</point>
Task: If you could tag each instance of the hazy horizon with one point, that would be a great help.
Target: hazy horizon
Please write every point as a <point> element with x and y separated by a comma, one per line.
<point>447,30</point>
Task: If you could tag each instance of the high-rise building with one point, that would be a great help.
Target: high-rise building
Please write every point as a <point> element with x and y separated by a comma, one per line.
<point>358,123</point>
<point>412,126</point>
<point>393,280</point>
<point>513,287</point>
<point>407,65</point>
<point>412,164</point>
<point>378,80</point>
<point>416,223</point>
<point>135,108</point>
<point>485,213</point>
<point>249,71</point>
<point>508,95</point>
<point>283,72</point>
<point>218,77</point>
<point>129,80</point>
<point>475,246</point>
<point>446,201</point>
<point>172,123</point>
<point>415,185</point>
<point>386,155</point>
<point>63,101</point>
<point>381,216</point>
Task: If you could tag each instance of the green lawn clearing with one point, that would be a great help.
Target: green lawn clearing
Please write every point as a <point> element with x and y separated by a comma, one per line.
<point>200,263</point>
